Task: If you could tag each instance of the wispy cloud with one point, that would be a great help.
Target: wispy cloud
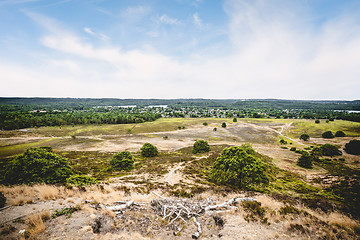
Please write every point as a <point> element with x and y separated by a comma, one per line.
<point>168,20</point>
<point>197,20</point>
<point>13,2</point>
<point>98,35</point>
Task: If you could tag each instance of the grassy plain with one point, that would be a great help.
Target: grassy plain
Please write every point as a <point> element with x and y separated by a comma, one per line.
<point>160,125</point>
<point>351,129</point>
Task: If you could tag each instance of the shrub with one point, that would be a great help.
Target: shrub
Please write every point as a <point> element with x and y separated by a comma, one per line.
<point>330,150</point>
<point>304,137</point>
<point>81,180</point>
<point>122,161</point>
<point>149,150</point>
<point>235,119</point>
<point>305,160</point>
<point>223,125</point>
<point>38,165</point>
<point>328,134</point>
<point>282,141</point>
<point>353,147</point>
<point>201,146</point>
<point>239,166</point>
<point>340,134</point>
<point>205,123</point>
<point>317,121</point>
<point>2,200</point>
<point>293,149</point>
<point>214,129</point>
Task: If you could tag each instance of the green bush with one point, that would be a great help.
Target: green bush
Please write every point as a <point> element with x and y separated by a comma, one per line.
<point>81,180</point>
<point>353,147</point>
<point>330,150</point>
<point>223,125</point>
<point>304,137</point>
<point>122,161</point>
<point>282,141</point>
<point>201,146</point>
<point>328,134</point>
<point>37,165</point>
<point>340,134</point>
<point>305,160</point>
<point>205,123</point>
<point>239,166</point>
<point>317,121</point>
<point>149,150</point>
<point>293,149</point>
<point>235,119</point>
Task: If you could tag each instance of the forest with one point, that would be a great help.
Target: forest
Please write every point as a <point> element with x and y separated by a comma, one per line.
<point>18,113</point>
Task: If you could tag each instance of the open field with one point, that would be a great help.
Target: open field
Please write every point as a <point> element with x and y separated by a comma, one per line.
<point>298,203</point>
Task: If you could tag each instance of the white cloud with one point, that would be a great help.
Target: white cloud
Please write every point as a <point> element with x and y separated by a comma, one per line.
<point>168,20</point>
<point>271,55</point>
<point>197,20</point>
<point>98,35</point>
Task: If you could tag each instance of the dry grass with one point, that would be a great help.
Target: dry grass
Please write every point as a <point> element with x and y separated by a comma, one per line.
<point>21,194</point>
<point>36,222</point>
<point>47,192</point>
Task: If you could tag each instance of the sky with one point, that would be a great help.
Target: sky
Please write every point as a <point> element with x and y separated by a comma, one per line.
<point>230,49</point>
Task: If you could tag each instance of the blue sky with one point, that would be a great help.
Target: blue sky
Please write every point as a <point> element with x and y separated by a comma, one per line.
<point>299,49</point>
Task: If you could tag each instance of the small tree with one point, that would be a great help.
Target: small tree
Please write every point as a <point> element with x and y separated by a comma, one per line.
<point>38,165</point>
<point>328,134</point>
<point>223,125</point>
<point>305,160</point>
<point>317,121</point>
<point>235,119</point>
<point>330,150</point>
<point>353,147</point>
<point>340,134</point>
<point>122,161</point>
<point>149,150</point>
<point>205,123</point>
<point>201,146</point>
<point>304,137</point>
<point>215,129</point>
<point>239,166</point>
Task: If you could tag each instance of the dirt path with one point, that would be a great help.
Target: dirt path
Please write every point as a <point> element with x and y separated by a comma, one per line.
<point>285,127</point>
<point>174,177</point>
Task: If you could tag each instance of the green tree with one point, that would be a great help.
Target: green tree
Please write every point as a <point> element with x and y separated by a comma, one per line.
<point>235,119</point>
<point>317,121</point>
<point>38,165</point>
<point>149,150</point>
<point>205,123</point>
<point>340,134</point>
<point>328,134</point>
<point>304,137</point>
<point>239,166</point>
<point>201,146</point>
<point>122,161</point>
<point>223,125</point>
<point>353,147</point>
<point>330,150</point>
<point>305,160</point>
